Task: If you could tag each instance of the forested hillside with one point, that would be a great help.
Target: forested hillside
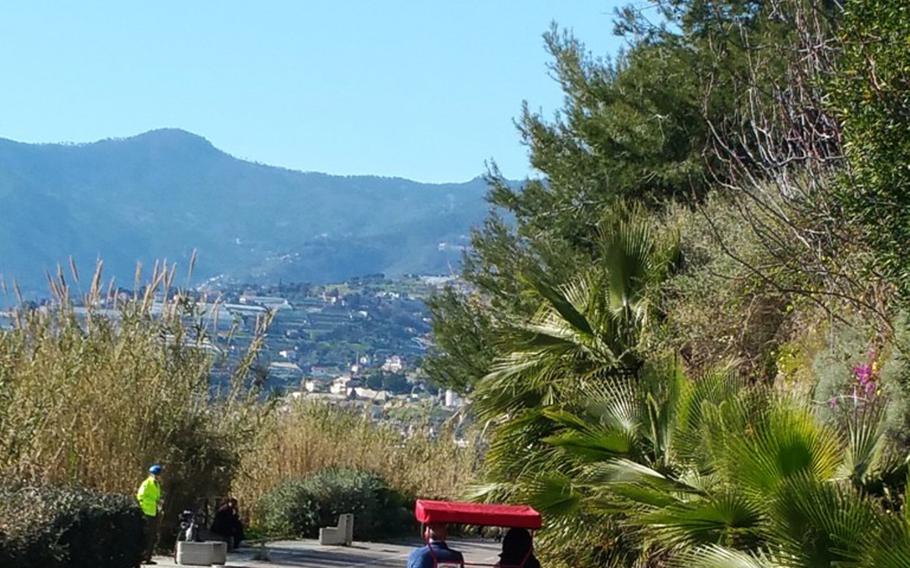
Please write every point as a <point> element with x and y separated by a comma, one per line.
<point>166,192</point>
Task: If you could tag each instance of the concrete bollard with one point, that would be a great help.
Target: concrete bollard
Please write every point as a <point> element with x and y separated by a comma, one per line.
<point>342,534</point>
<point>201,553</point>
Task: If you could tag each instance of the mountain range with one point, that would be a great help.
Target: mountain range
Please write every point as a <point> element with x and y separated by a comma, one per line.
<point>165,193</point>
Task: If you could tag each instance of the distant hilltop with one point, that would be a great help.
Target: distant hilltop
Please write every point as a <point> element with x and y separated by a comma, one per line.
<point>163,193</point>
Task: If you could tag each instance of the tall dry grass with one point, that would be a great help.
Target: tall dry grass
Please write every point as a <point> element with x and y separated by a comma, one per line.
<point>94,395</point>
<point>309,436</point>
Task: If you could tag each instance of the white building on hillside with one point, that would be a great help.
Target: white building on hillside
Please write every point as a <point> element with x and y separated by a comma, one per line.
<point>340,385</point>
<point>393,364</point>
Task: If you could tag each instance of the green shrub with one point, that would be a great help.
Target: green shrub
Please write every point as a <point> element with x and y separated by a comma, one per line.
<point>286,510</point>
<point>717,310</point>
<point>868,95</point>
<point>51,527</point>
<point>299,507</point>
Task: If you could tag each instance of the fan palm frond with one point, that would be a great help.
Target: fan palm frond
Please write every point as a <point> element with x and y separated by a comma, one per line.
<point>784,442</point>
<point>821,523</point>
<point>728,517</point>
<point>552,494</point>
<point>720,557</point>
<point>561,303</point>
<point>717,388</point>
<point>515,449</point>
<point>865,450</point>
<point>623,471</point>
<point>593,444</point>
<point>614,401</point>
<point>890,548</point>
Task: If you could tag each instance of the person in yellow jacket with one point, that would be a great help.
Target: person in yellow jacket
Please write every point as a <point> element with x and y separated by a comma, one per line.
<point>149,496</point>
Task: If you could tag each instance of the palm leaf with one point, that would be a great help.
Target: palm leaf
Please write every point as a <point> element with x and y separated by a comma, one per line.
<point>727,517</point>
<point>821,523</point>
<point>557,300</point>
<point>641,495</point>
<point>785,442</point>
<point>614,402</point>
<point>552,494</point>
<point>624,471</point>
<point>697,403</point>
<point>635,259</point>
<point>566,419</point>
<point>720,557</point>
<point>594,444</point>
<point>864,428</point>
<point>891,547</point>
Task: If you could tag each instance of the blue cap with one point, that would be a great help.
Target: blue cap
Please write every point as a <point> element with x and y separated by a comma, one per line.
<point>155,469</point>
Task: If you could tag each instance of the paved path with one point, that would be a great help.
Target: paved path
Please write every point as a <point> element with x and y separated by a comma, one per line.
<point>308,554</point>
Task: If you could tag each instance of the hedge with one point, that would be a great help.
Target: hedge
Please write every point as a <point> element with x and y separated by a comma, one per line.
<point>299,507</point>
<point>61,527</point>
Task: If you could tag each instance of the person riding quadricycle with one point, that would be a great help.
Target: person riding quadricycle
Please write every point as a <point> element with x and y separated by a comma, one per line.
<point>435,516</point>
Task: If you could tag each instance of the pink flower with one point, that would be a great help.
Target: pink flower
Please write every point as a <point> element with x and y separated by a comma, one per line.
<point>866,375</point>
<point>863,373</point>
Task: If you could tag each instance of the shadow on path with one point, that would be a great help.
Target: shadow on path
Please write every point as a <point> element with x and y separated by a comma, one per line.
<point>309,554</point>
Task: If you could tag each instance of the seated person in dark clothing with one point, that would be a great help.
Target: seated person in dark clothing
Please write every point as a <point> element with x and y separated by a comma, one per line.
<point>517,550</point>
<point>436,551</point>
<point>227,523</point>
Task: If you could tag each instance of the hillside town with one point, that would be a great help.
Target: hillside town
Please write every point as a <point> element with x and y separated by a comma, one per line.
<point>356,344</point>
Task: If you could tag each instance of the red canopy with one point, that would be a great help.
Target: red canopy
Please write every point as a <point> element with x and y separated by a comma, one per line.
<point>512,516</point>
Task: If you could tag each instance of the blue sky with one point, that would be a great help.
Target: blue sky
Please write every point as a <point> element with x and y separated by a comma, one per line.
<point>421,89</point>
